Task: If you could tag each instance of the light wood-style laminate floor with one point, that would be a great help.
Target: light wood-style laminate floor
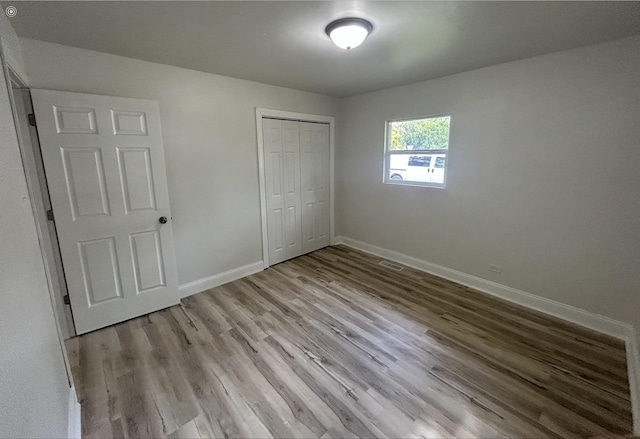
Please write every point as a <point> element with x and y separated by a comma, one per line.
<point>333,345</point>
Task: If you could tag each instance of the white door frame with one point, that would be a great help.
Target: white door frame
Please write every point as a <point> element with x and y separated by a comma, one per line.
<point>12,76</point>
<point>301,117</point>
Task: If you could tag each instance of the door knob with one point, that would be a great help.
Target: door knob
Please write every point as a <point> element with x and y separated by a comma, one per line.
<point>163,220</point>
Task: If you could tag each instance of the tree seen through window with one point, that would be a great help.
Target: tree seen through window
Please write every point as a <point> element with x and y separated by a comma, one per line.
<point>420,134</point>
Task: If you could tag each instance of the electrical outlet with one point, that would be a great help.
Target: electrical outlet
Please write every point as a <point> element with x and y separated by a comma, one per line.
<point>495,268</point>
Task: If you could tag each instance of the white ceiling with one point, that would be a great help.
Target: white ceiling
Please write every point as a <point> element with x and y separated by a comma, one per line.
<point>283,43</point>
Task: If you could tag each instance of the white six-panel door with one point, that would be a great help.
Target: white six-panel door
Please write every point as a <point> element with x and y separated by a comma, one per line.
<point>282,180</point>
<point>296,171</point>
<point>314,153</point>
<point>105,169</point>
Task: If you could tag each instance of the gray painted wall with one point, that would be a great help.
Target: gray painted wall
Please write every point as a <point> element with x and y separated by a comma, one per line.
<point>542,172</point>
<point>543,180</point>
<point>209,129</point>
<point>34,390</point>
<point>544,176</point>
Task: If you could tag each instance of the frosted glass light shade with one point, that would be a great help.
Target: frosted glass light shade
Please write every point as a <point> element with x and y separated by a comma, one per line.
<point>348,33</point>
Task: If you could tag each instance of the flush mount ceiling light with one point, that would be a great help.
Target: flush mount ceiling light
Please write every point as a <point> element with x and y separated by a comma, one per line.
<point>347,33</point>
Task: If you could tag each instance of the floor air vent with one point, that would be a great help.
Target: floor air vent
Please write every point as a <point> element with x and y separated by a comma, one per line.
<point>393,266</point>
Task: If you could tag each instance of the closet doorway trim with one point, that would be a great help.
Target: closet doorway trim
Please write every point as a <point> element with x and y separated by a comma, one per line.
<point>300,117</point>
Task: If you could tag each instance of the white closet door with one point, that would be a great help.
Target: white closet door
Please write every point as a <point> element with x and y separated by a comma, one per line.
<point>314,151</point>
<point>282,181</point>
<point>104,162</point>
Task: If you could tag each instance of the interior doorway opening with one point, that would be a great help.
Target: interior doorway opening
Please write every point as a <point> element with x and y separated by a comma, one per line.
<point>40,202</point>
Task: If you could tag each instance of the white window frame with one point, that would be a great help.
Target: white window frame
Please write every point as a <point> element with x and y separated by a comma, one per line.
<point>389,152</point>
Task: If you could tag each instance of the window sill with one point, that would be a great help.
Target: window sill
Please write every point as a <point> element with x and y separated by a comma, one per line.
<point>414,184</point>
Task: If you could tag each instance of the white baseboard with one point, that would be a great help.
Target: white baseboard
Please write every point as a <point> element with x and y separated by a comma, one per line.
<point>572,314</point>
<point>74,423</point>
<point>566,312</point>
<point>219,279</point>
<point>633,363</point>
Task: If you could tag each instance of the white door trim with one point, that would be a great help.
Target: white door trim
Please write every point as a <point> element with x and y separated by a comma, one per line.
<point>38,193</point>
<point>11,75</point>
<point>302,117</point>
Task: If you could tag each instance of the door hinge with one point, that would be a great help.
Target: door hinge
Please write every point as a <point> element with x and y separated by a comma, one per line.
<point>66,300</point>
<point>32,119</point>
<point>49,215</point>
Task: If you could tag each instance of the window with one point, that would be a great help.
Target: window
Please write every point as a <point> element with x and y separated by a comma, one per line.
<point>416,151</point>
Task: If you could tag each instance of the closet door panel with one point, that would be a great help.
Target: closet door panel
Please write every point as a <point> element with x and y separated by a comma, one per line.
<point>272,135</point>
<point>314,149</point>
<point>292,193</point>
<point>282,187</point>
